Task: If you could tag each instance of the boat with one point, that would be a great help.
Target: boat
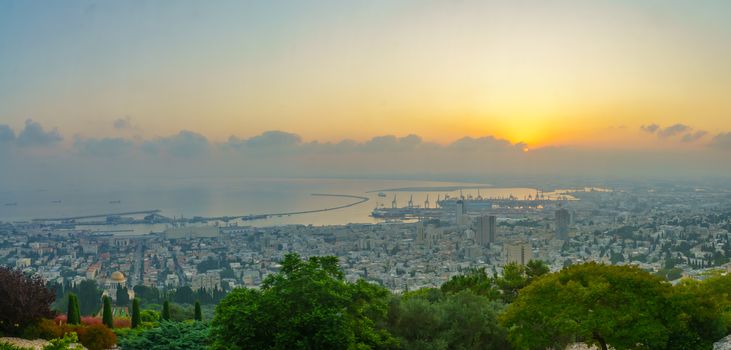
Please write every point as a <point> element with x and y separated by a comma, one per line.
<point>58,201</point>
<point>115,202</point>
<point>11,204</point>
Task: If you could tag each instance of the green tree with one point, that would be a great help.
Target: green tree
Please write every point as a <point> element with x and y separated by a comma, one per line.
<point>107,317</point>
<point>122,297</point>
<point>135,313</point>
<point>198,316</point>
<point>619,306</point>
<point>308,305</point>
<point>183,295</point>
<point>471,322</point>
<point>181,312</point>
<point>147,294</point>
<point>89,296</point>
<point>516,277</point>
<point>701,319</point>
<point>512,280</point>
<point>461,320</point>
<point>535,269</point>
<point>477,280</point>
<point>73,315</point>
<point>166,310</point>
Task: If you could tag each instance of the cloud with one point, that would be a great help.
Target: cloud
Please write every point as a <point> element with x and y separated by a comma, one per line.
<point>691,137</point>
<point>391,143</point>
<point>280,140</point>
<point>6,134</point>
<point>673,130</point>
<point>105,147</point>
<point>123,124</point>
<point>721,141</point>
<point>33,135</point>
<point>273,139</point>
<point>650,128</point>
<point>185,144</point>
<point>485,143</point>
<point>126,160</point>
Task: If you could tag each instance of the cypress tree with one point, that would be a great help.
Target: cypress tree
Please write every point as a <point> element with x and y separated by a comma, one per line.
<point>166,310</point>
<point>73,315</point>
<point>198,316</point>
<point>135,313</point>
<point>107,317</point>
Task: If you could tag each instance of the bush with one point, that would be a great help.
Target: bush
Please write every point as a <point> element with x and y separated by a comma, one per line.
<point>24,300</point>
<point>91,320</point>
<point>122,323</point>
<point>6,346</point>
<point>169,335</point>
<point>62,343</point>
<point>60,319</point>
<point>96,337</point>
<point>44,329</point>
<point>149,316</point>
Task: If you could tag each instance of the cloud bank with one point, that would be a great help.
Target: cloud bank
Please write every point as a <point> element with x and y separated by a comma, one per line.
<point>33,135</point>
<point>35,157</point>
<point>675,131</point>
<point>722,141</point>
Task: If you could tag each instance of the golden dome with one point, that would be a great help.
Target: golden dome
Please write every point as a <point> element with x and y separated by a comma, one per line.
<point>118,276</point>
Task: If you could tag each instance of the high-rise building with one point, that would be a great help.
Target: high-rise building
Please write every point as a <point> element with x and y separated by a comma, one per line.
<point>420,232</point>
<point>563,221</point>
<point>486,230</point>
<point>461,213</point>
<point>427,234</point>
<point>518,252</point>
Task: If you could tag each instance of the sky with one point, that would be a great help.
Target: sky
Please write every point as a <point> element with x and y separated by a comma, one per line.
<point>622,85</point>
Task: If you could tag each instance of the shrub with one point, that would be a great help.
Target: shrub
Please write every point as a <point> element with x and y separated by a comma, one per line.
<point>60,319</point>
<point>62,343</point>
<point>44,329</point>
<point>24,300</point>
<point>97,337</point>
<point>6,346</point>
<point>122,323</point>
<point>169,335</point>
<point>91,320</point>
<point>149,316</point>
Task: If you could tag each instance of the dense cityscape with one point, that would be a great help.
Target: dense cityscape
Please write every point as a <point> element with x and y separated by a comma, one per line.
<point>669,231</point>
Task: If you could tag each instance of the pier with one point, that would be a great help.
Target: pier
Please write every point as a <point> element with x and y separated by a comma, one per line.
<point>359,200</point>
<point>156,217</point>
<point>73,218</point>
